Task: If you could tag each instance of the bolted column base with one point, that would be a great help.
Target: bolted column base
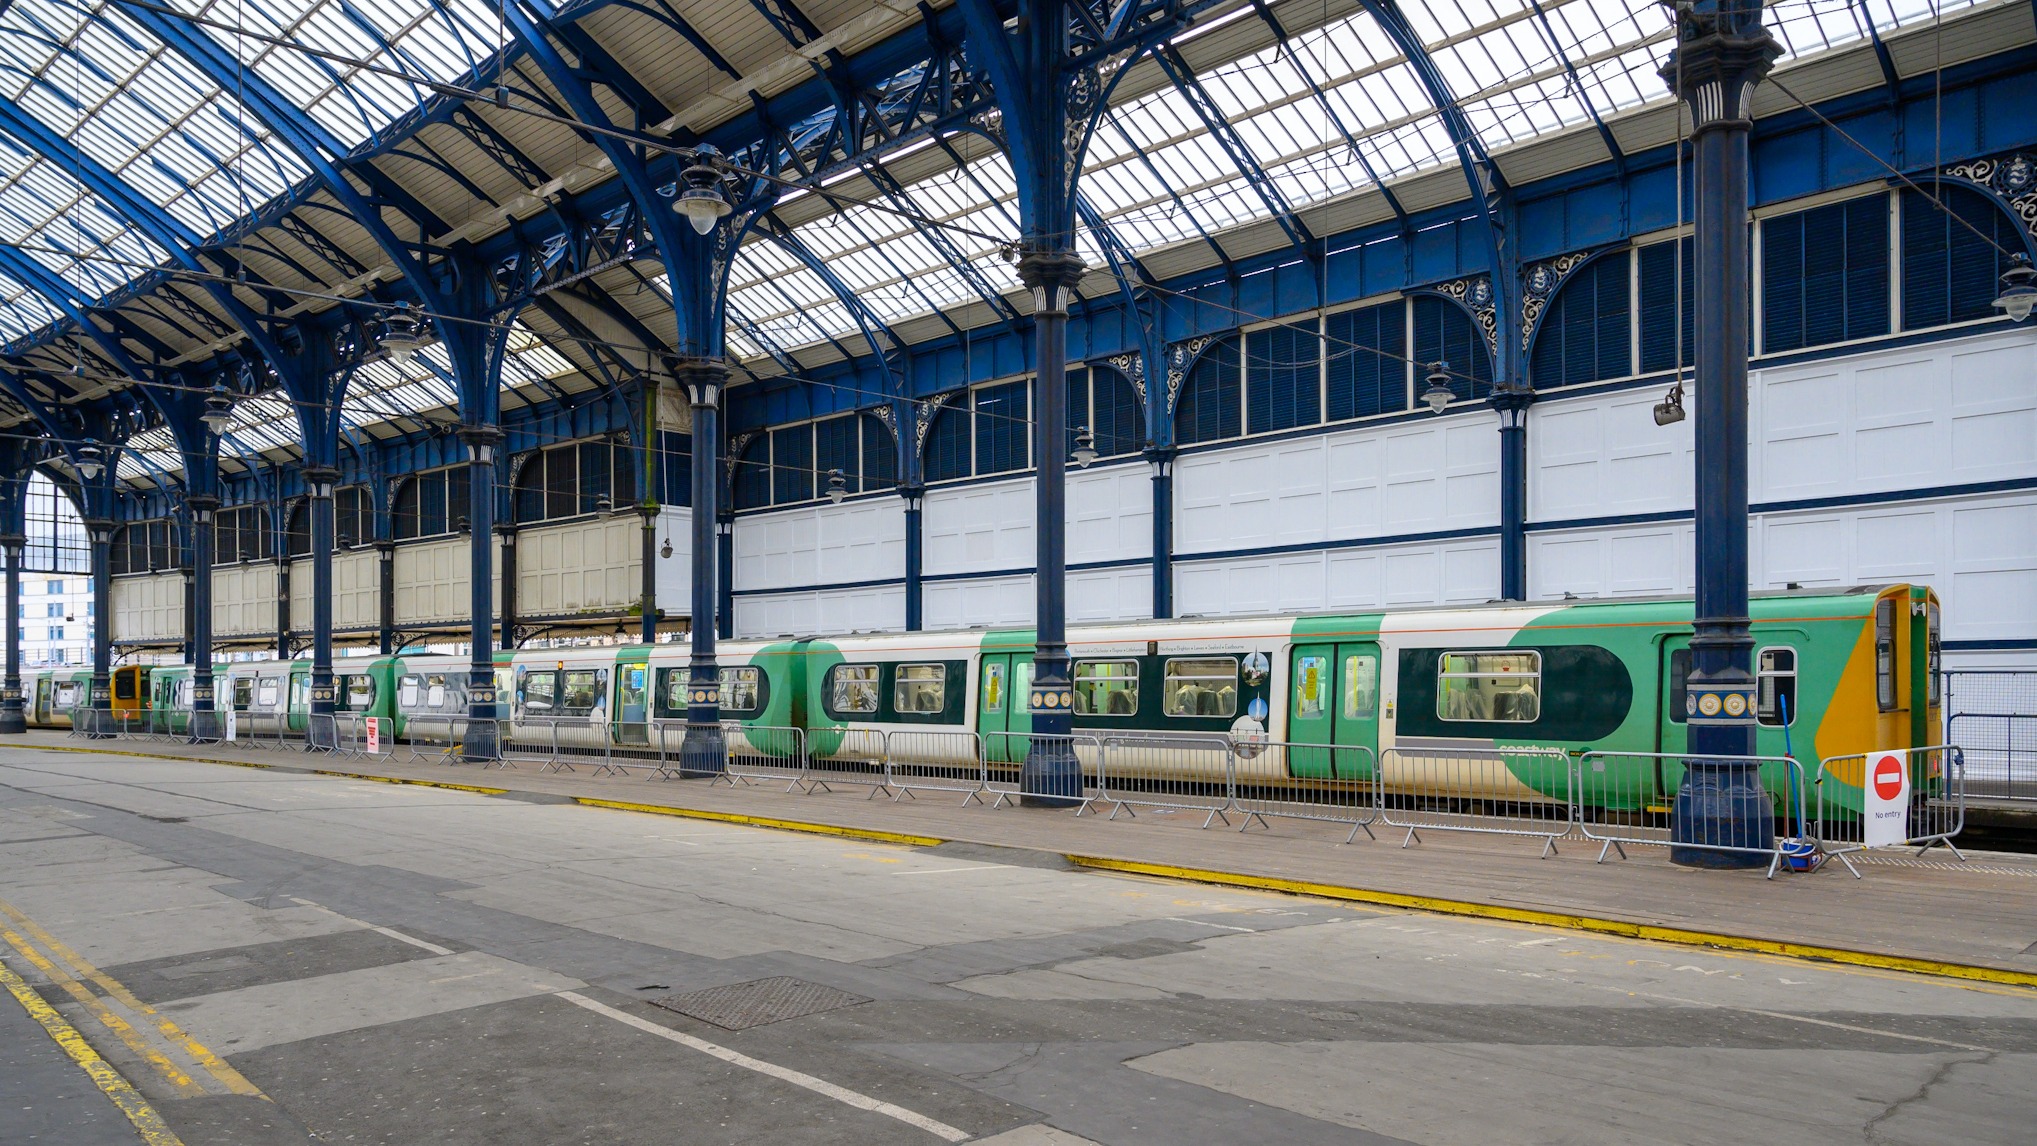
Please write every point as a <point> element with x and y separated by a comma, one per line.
<point>705,751</point>
<point>1721,804</point>
<point>481,743</point>
<point>1051,776</point>
<point>12,719</point>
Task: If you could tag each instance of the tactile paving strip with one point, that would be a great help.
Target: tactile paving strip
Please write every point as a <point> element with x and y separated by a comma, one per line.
<point>740,1006</point>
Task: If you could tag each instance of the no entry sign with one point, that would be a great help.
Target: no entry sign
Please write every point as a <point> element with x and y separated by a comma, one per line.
<point>1885,799</point>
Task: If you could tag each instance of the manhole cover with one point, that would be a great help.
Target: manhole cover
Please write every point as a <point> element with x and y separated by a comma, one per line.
<point>743,1005</point>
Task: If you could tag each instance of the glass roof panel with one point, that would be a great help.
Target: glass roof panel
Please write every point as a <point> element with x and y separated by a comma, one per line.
<point>145,113</point>
<point>442,40</point>
<point>23,311</point>
<point>55,221</point>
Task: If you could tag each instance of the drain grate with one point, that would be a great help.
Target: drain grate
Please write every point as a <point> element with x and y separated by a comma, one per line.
<point>741,1006</point>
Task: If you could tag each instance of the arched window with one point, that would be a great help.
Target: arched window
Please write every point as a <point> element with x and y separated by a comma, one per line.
<point>948,443</point>
<point>299,531</point>
<point>1951,274</point>
<point>1209,407</point>
<point>1102,399</point>
<point>752,477</point>
<point>353,516</point>
<point>1444,332</point>
<point>574,479</point>
<point>1586,333</point>
<point>431,504</point>
<point>1825,274</point>
<point>1367,369</point>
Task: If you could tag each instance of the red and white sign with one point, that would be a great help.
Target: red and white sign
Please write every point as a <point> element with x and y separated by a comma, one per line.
<point>1885,799</point>
<point>374,735</point>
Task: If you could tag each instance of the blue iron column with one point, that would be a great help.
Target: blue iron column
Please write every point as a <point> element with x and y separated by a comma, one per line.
<point>704,753</point>
<point>915,497</point>
<point>1161,461</point>
<point>12,718</point>
<point>320,730</point>
<point>481,741</point>
<point>199,509</point>
<point>1051,775</point>
<point>1511,402</point>
<point>100,529</point>
<point>1722,52</point>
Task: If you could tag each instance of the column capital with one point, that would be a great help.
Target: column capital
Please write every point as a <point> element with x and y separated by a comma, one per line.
<point>13,542</point>
<point>914,495</point>
<point>101,528</point>
<point>1511,403</point>
<point>201,503</point>
<point>481,442</point>
<point>319,480</point>
<point>702,378</point>
<point>1051,275</point>
<point>1718,60</point>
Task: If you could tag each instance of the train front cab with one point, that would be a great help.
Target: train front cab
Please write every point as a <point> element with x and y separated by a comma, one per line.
<point>1888,698</point>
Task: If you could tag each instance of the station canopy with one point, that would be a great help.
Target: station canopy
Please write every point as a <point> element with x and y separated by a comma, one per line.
<point>1265,120</point>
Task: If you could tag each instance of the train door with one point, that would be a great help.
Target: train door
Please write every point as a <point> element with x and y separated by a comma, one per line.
<point>128,699</point>
<point>1672,735</point>
<point>1002,717</point>
<point>42,700</point>
<point>299,715</point>
<point>1334,701</point>
<point>632,703</point>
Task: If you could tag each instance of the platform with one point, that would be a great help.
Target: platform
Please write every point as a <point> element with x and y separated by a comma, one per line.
<point>1932,914</point>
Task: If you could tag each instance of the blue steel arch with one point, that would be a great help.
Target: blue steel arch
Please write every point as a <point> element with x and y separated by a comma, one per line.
<point>1533,335</point>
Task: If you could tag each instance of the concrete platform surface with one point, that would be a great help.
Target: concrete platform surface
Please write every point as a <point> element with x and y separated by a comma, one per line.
<point>274,957</point>
<point>1981,913</point>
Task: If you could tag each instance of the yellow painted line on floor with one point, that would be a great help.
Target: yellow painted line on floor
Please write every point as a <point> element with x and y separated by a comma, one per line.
<point>475,788</point>
<point>766,822</point>
<point>141,755</point>
<point>185,1085</point>
<point>1589,923</point>
<point>147,1123</point>
<point>227,1076</point>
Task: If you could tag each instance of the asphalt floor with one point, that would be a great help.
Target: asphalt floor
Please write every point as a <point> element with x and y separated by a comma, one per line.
<point>281,957</point>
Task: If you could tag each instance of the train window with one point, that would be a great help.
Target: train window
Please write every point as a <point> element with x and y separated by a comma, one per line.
<point>1361,686</point>
<point>993,689</point>
<point>1885,654</point>
<point>434,691</point>
<point>920,688</point>
<point>1201,687</point>
<point>1933,652</point>
<point>580,691</point>
<point>357,692</point>
<point>123,685</point>
<point>1310,683</point>
<point>268,692</point>
<point>407,691</point>
<point>67,694</point>
<point>1489,686</point>
<point>1679,686</point>
<point>243,693</point>
<point>853,688</point>
<point>300,691</point>
<point>539,693</point>
<point>740,688</point>
<point>1775,687</point>
<point>183,694</point>
<point>1106,688</point>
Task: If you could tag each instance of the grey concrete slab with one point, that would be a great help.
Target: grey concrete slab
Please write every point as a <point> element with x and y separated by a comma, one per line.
<point>231,968</point>
<point>45,1098</point>
<point>1020,1002</point>
<point>270,1013</point>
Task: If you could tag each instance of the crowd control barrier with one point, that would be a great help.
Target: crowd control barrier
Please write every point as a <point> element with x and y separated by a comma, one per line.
<point>1630,794</point>
<point>1180,773</point>
<point>1336,783</point>
<point>1004,760</point>
<point>1524,791</point>
<point>1929,801</point>
<point>935,760</point>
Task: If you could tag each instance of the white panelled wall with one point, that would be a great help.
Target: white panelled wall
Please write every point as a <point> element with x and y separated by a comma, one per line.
<point>1883,466</point>
<point>1302,496</point>
<point>848,546</point>
<point>1907,463</point>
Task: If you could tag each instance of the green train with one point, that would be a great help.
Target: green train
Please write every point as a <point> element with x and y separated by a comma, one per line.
<point>1853,670</point>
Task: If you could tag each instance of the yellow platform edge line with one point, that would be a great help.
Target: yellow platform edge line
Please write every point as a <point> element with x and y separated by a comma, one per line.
<point>141,755</point>
<point>1567,921</point>
<point>1571,922</point>
<point>476,788</point>
<point>805,826</point>
<point>147,1123</point>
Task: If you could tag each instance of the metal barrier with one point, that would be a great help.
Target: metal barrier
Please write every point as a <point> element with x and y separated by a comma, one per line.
<point>1337,783</point>
<point>935,760</point>
<point>1514,791</point>
<point>1936,811</point>
<point>2000,750</point>
<point>851,755</point>
<point>1631,797</point>
<point>1004,758</point>
<point>754,752</point>
<point>1183,772</point>
<point>455,740</point>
